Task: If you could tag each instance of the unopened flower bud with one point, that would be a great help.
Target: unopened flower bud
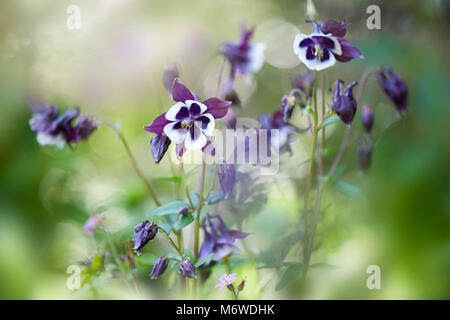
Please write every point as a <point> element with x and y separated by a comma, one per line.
<point>364,151</point>
<point>242,284</point>
<point>394,88</point>
<point>159,145</point>
<point>367,118</point>
<point>183,211</point>
<point>187,269</point>
<point>343,102</point>
<point>230,287</point>
<point>144,232</point>
<point>159,267</point>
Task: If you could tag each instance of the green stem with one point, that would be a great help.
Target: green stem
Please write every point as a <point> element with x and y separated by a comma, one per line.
<point>199,208</point>
<point>310,170</point>
<point>183,176</point>
<point>133,161</point>
<point>172,243</point>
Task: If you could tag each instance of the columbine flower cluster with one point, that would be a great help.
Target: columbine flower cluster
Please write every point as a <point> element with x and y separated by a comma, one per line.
<point>58,130</point>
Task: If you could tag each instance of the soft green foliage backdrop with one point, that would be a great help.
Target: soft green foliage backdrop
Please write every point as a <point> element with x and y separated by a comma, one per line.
<point>112,67</point>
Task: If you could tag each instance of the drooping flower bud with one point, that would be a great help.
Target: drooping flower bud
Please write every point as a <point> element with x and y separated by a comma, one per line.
<point>287,106</point>
<point>159,267</point>
<point>227,178</point>
<point>230,120</point>
<point>367,117</point>
<point>183,211</point>
<point>187,269</point>
<point>343,102</point>
<point>242,284</point>
<point>394,88</point>
<point>159,145</point>
<point>364,151</point>
<point>143,233</point>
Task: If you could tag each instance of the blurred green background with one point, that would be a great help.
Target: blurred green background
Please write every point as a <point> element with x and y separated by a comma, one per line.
<point>112,67</point>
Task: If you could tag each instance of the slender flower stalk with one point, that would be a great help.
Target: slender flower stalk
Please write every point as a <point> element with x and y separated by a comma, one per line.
<point>201,188</point>
<point>186,189</point>
<point>310,170</point>
<point>172,243</point>
<point>133,161</point>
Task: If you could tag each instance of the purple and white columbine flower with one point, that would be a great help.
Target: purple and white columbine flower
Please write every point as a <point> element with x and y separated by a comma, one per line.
<point>325,45</point>
<point>54,129</point>
<point>189,122</point>
<point>244,57</point>
<point>226,280</point>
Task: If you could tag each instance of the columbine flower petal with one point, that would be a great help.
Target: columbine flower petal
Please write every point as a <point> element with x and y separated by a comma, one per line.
<point>177,112</point>
<point>180,92</point>
<point>218,108</point>
<point>195,139</point>
<point>175,133</point>
<point>206,123</point>
<point>157,126</point>
<point>195,108</point>
<point>349,51</point>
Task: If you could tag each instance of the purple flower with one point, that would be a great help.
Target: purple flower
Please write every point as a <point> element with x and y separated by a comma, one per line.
<point>276,121</point>
<point>170,73</point>
<point>243,56</point>
<point>159,267</point>
<point>219,240</point>
<point>343,102</point>
<point>143,233</point>
<point>187,269</point>
<point>85,125</point>
<point>287,106</point>
<point>189,121</point>
<point>91,224</point>
<point>159,145</point>
<point>225,281</point>
<point>53,129</point>
<point>367,118</point>
<point>227,178</point>
<point>324,46</point>
<point>394,88</point>
<point>364,151</point>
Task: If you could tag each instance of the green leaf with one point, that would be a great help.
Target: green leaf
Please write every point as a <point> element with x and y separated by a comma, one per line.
<point>168,208</point>
<point>195,197</point>
<point>349,189</point>
<point>289,276</point>
<point>215,197</point>
<point>329,121</point>
<point>168,222</point>
<point>202,261</point>
<point>183,221</point>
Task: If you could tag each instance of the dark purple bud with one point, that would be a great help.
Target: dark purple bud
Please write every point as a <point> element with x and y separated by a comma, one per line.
<point>159,267</point>
<point>227,178</point>
<point>84,127</point>
<point>364,151</point>
<point>343,103</point>
<point>183,211</point>
<point>287,106</point>
<point>159,145</point>
<point>394,88</point>
<point>367,117</point>
<point>170,73</point>
<point>187,269</point>
<point>143,233</point>
<point>180,92</point>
